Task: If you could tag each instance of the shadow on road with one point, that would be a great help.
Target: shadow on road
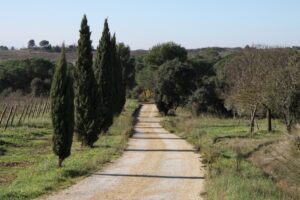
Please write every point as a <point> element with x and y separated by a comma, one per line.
<point>151,176</point>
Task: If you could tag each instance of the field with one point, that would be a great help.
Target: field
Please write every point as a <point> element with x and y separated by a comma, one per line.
<point>238,165</point>
<point>28,166</point>
<point>25,54</point>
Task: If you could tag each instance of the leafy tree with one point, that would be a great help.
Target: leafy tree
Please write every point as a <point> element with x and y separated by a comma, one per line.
<point>161,53</point>
<point>205,99</point>
<point>174,84</point>
<point>18,74</point>
<point>45,44</point>
<point>145,77</point>
<point>31,44</point>
<point>128,65</point>
<point>87,102</point>
<point>268,79</point>
<point>37,86</point>
<point>62,110</point>
<point>104,76</point>
<point>4,48</point>
<point>282,93</point>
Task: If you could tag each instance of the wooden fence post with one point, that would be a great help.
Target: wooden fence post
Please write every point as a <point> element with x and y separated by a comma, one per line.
<point>10,112</point>
<point>2,116</point>
<point>23,112</point>
<point>30,110</point>
<point>13,117</point>
<point>40,109</point>
<point>45,106</point>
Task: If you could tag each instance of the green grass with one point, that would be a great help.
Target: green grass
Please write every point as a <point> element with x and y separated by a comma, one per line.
<point>230,174</point>
<point>28,166</point>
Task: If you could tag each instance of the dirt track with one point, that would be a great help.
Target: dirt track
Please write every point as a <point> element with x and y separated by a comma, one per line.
<point>156,165</point>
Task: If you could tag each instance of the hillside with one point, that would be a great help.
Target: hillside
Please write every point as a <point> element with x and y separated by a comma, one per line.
<point>71,56</point>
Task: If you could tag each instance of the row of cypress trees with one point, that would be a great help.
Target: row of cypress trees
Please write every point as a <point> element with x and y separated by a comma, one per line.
<point>95,89</point>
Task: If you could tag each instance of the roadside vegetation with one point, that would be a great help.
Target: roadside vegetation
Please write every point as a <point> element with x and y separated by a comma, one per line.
<point>28,168</point>
<point>238,164</point>
<point>239,108</point>
<point>89,118</point>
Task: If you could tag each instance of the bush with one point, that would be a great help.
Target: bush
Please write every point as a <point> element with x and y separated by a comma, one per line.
<point>174,84</point>
<point>19,74</point>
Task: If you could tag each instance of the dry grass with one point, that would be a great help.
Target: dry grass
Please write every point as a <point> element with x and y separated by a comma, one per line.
<point>281,161</point>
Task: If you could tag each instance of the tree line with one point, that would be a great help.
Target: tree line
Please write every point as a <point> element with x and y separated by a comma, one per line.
<point>46,46</point>
<point>249,82</point>
<point>85,98</point>
<point>22,77</point>
<point>266,80</point>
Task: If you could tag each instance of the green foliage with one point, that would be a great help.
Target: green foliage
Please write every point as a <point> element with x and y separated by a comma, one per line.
<point>264,79</point>
<point>18,74</point>
<point>223,180</point>
<point>128,66</point>
<point>104,76</point>
<point>173,85</point>
<point>161,53</point>
<point>146,77</point>
<point>45,44</point>
<point>118,83</point>
<point>4,48</point>
<point>31,44</point>
<point>62,109</point>
<point>39,87</point>
<point>87,102</point>
<point>32,170</point>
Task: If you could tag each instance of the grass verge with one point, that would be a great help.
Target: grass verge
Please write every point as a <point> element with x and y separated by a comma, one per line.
<point>226,147</point>
<point>28,166</point>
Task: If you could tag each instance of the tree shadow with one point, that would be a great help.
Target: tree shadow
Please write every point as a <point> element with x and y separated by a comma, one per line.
<point>148,127</point>
<point>157,138</point>
<point>151,176</point>
<point>161,150</point>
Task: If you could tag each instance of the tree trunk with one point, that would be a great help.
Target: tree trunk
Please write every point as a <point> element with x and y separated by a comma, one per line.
<point>59,163</point>
<point>269,118</point>
<point>288,123</point>
<point>252,119</point>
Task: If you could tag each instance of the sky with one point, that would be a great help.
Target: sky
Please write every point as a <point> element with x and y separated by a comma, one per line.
<point>144,23</point>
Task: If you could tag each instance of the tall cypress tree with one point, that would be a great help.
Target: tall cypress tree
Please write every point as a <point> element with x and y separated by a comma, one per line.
<point>62,109</point>
<point>104,76</point>
<point>87,103</point>
<point>125,62</point>
<point>117,77</point>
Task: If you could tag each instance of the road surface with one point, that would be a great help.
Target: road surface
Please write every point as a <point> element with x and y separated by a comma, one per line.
<point>156,165</point>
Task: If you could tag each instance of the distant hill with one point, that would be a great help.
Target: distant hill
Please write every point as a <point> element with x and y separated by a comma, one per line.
<point>23,54</point>
<point>72,56</point>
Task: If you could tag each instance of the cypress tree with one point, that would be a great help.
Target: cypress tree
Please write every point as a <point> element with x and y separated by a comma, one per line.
<point>62,109</point>
<point>104,77</point>
<point>123,55</point>
<point>87,103</point>
<point>117,77</point>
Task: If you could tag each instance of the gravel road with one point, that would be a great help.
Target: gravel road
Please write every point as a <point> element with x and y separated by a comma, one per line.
<point>156,165</point>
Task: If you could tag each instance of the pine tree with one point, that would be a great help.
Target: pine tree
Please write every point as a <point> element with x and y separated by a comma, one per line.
<point>62,109</point>
<point>104,76</point>
<point>87,102</point>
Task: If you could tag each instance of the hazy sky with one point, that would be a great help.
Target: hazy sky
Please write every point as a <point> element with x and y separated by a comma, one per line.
<point>143,23</point>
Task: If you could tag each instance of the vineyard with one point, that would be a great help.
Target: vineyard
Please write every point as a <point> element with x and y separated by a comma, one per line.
<point>17,110</point>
